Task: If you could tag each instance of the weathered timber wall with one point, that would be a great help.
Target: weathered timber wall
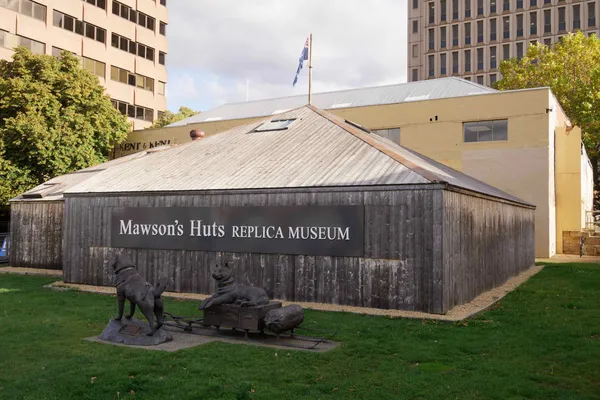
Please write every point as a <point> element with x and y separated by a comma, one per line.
<point>485,243</point>
<point>36,234</point>
<point>421,252</point>
<point>398,250</point>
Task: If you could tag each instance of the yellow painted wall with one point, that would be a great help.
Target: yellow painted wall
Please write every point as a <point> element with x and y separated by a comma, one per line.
<point>523,165</point>
<point>568,181</point>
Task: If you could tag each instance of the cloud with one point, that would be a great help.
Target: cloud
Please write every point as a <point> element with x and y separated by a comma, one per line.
<point>216,46</point>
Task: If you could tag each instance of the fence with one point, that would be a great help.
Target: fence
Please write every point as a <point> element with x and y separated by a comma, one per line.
<point>592,221</point>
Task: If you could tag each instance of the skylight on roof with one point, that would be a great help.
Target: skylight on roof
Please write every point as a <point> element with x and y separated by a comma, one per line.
<point>341,105</point>
<point>417,98</point>
<point>274,125</point>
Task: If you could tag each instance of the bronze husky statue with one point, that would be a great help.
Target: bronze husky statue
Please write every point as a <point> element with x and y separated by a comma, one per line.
<point>131,286</point>
<point>229,292</point>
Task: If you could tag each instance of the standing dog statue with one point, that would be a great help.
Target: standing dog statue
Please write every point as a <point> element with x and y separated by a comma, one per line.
<point>229,292</point>
<point>131,286</point>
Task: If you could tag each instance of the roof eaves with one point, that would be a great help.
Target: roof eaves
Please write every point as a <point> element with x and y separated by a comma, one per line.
<point>433,178</point>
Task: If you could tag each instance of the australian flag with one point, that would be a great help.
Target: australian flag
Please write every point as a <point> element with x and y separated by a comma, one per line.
<point>303,57</point>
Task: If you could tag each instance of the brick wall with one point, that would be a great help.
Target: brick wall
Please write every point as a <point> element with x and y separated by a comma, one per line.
<point>591,244</point>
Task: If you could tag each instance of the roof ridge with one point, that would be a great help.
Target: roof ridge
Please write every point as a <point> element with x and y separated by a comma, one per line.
<point>430,176</point>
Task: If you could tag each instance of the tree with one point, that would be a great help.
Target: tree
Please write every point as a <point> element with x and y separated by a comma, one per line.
<point>572,71</point>
<point>54,119</point>
<point>168,117</point>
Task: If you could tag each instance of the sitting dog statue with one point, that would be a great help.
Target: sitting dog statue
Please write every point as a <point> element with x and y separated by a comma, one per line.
<point>131,286</point>
<point>229,292</point>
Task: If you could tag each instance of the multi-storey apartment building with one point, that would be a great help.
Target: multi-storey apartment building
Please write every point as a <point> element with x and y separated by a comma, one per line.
<point>469,38</point>
<point>123,42</point>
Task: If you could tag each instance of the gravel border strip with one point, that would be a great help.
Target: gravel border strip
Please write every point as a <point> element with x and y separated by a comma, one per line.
<point>459,313</point>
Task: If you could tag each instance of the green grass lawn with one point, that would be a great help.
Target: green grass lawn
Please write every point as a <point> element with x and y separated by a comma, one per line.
<point>540,342</point>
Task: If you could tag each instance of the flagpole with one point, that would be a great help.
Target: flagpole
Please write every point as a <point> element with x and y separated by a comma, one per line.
<point>309,68</point>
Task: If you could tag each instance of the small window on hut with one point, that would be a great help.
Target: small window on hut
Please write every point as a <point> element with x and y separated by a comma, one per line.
<point>274,125</point>
<point>485,131</point>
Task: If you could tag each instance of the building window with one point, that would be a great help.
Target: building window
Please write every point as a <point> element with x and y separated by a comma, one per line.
<point>548,42</point>
<point>547,21</point>
<point>131,111</point>
<point>533,3</point>
<point>415,4</point>
<point>443,37</point>
<point>159,114</point>
<point>492,6</point>
<point>493,63</point>
<point>547,1</point>
<point>467,8</point>
<point>480,59</point>
<point>506,5</point>
<point>455,62</point>
<point>26,7</point>
<point>480,79</point>
<point>132,15</point>
<point>95,67</point>
<point>467,33</point>
<point>431,66</point>
<point>506,52</point>
<point>479,8</point>
<point>10,41</point>
<point>562,23</point>
<point>591,14</point>
<point>519,50</point>
<point>468,78</point>
<point>74,25</point>
<point>431,39</point>
<point>122,75</point>
<point>454,35</point>
<point>431,10</point>
<point>139,49</point>
<point>467,60</point>
<point>479,31</point>
<point>415,25</point>
<point>162,58</point>
<point>492,79</point>
<point>163,2</point>
<point>443,63</point>
<point>392,134</point>
<point>506,27</point>
<point>443,10</point>
<point>415,50</point>
<point>98,3</point>
<point>415,75</point>
<point>519,4</point>
<point>533,23</point>
<point>577,16</point>
<point>493,29</point>
<point>160,89</point>
<point>485,131</point>
<point>454,10</point>
<point>520,25</point>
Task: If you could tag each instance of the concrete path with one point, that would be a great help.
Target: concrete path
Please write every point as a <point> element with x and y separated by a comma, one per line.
<point>569,258</point>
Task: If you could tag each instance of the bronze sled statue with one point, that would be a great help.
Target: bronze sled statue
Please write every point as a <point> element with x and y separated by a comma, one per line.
<point>131,286</point>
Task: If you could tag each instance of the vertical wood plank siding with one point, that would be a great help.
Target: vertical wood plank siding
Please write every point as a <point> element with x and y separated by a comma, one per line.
<point>485,242</point>
<point>404,266</point>
<point>36,233</point>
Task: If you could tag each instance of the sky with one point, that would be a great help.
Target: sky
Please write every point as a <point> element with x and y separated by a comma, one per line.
<point>225,51</point>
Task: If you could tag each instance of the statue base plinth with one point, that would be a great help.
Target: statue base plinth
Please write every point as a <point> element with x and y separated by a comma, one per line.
<point>133,332</point>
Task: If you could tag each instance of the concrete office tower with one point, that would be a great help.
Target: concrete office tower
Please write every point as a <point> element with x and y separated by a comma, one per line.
<point>469,38</point>
<point>123,42</point>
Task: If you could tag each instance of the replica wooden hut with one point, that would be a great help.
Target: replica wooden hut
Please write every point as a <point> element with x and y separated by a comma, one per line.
<point>307,205</point>
<point>36,229</point>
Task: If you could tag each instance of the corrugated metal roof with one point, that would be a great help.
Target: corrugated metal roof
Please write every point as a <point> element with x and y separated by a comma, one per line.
<point>53,189</point>
<point>390,94</point>
<point>318,149</point>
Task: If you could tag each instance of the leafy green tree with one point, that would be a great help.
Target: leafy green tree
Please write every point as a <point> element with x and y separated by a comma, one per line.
<point>168,117</point>
<point>571,68</point>
<point>54,119</point>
